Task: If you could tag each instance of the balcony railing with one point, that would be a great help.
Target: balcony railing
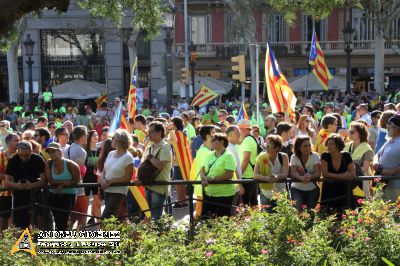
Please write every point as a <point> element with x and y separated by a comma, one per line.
<point>288,48</point>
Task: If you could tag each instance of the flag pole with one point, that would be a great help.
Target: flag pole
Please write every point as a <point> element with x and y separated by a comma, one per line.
<point>308,65</point>
<point>257,87</point>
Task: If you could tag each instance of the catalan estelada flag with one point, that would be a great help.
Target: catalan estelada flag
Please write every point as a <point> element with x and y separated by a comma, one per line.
<point>280,95</point>
<point>140,196</point>
<point>119,120</point>
<point>100,100</point>
<point>204,95</point>
<point>242,114</point>
<point>132,91</point>
<point>317,59</point>
<point>183,154</point>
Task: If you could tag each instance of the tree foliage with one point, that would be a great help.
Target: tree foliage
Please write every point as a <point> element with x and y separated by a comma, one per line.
<point>147,15</point>
<point>382,13</point>
<point>244,11</point>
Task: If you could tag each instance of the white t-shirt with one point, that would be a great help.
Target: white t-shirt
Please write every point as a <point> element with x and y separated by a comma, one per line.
<point>313,159</point>
<point>115,168</point>
<point>234,150</point>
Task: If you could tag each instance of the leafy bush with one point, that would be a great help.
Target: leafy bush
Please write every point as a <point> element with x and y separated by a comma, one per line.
<point>369,235</point>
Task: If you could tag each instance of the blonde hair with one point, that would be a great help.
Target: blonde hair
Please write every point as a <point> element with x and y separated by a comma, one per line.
<point>27,133</point>
<point>123,138</point>
<point>301,120</point>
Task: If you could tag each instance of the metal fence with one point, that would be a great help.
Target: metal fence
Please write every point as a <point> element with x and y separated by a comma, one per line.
<point>189,191</point>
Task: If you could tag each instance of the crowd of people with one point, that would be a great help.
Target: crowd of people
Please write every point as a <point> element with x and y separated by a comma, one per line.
<point>332,136</point>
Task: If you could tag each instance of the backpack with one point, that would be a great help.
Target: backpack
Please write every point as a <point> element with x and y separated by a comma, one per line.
<point>147,172</point>
<point>259,148</point>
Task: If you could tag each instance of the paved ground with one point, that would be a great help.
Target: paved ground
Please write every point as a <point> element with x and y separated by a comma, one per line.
<point>181,215</point>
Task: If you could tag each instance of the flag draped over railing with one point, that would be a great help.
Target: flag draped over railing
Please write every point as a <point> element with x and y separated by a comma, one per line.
<point>317,59</point>
<point>204,96</point>
<point>131,107</point>
<point>280,95</point>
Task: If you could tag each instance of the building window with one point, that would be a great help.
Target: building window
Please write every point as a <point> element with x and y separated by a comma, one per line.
<point>321,28</point>
<point>276,28</point>
<point>200,29</point>
<point>229,30</point>
<point>363,27</point>
<point>68,55</point>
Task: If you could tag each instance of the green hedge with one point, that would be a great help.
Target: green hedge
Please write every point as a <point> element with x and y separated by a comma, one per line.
<point>367,236</point>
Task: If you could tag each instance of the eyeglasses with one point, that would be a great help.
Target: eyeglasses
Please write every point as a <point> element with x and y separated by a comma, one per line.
<point>307,121</point>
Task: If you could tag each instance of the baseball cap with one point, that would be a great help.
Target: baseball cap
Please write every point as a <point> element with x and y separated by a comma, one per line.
<point>53,146</point>
<point>244,123</point>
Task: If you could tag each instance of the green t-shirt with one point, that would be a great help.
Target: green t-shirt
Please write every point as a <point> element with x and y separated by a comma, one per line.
<point>216,166</point>
<point>249,145</point>
<point>63,110</point>
<point>190,132</point>
<point>212,117</point>
<point>146,112</point>
<point>18,108</point>
<point>201,155</point>
<point>47,96</point>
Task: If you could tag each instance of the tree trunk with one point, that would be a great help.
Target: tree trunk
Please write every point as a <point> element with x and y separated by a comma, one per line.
<point>13,77</point>
<point>379,62</point>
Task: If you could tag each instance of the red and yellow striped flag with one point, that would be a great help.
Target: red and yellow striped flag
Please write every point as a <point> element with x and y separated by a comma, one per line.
<point>132,92</point>
<point>183,154</point>
<point>100,100</point>
<point>204,95</point>
<point>280,95</point>
<point>140,196</point>
<point>317,59</point>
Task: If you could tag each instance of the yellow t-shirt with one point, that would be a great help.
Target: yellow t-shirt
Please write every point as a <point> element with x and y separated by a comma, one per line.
<point>265,169</point>
<point>140,134</point>
<point>319,145</point>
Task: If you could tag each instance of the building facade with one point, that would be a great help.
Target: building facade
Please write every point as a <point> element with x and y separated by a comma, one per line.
<point>73,45</point>
<point>210,29</point>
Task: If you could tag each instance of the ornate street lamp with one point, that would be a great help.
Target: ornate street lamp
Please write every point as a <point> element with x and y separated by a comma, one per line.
<point>348,40</point>
<point>29,44</point>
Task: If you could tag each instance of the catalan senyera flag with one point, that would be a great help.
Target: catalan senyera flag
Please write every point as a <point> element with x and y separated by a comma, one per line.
<point>132,91</point>
<point>183,154</point>
<point>280,95</point>
<point>100,100</point>
<point>140,196</point>
<point>242,114</point>
<point>204,95</point>
<point>317,59</point>
<point>119,120</point>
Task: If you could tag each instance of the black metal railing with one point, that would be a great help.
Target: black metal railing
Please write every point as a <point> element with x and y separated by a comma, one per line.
<point>189,191</point>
